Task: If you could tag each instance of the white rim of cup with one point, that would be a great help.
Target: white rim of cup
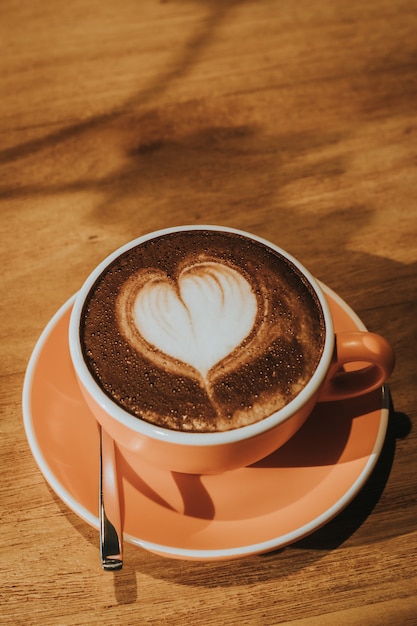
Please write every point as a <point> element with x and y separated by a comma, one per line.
<point>145,428</point>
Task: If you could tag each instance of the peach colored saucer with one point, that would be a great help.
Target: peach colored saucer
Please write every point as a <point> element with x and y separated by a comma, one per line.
<point>248,511</point>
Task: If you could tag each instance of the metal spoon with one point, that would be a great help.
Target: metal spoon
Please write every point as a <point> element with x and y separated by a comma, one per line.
<point>111,534</point>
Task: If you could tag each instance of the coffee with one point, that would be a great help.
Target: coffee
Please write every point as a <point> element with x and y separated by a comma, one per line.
<point>202,330</point>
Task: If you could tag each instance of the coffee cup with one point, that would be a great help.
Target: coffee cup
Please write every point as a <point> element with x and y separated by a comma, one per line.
<point>201,349</point>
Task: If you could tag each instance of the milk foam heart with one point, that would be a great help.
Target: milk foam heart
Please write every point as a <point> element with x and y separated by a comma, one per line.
<point>199,319</point>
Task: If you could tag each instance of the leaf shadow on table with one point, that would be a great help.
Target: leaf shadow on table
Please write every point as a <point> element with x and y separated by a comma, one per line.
<point>205,159</point>
<point>179,65</point>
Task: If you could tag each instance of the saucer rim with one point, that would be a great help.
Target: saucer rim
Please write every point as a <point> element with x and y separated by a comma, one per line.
<point>185,553</point>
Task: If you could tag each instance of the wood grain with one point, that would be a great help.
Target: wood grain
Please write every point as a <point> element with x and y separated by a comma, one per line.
<point>296,121</point>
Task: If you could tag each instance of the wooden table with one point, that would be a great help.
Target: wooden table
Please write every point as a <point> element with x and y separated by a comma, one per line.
<point>293,120</point>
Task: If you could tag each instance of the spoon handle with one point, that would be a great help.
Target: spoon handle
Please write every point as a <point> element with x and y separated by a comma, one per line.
<point>111,534</point>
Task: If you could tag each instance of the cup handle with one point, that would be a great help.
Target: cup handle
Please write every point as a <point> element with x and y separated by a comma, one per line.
<point>363,348</point>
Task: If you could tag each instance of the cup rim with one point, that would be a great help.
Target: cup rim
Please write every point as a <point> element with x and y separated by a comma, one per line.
<point>153,431</point>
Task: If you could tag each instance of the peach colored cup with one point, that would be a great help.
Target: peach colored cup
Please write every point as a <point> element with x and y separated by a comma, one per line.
<point>210,453</point>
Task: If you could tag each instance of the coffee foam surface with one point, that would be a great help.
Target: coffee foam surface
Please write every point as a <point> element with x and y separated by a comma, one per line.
<point>202,331</point>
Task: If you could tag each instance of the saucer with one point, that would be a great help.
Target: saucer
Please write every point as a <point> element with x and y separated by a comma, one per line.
<point>252,510</point>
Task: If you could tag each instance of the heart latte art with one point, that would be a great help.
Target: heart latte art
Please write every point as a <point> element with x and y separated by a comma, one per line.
<point>197,320</point>
<point>201,330</point>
